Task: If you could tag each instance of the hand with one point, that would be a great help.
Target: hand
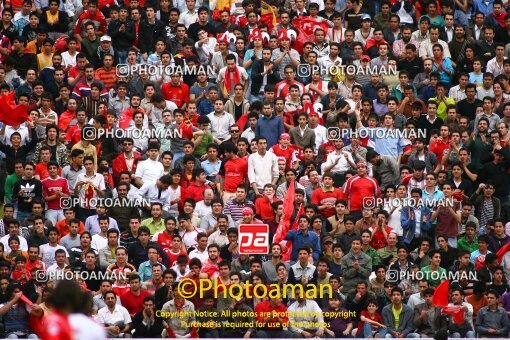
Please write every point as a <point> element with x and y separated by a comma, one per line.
<point>425,218</point>
<point>424,313</point>
<point>320,333</point>
<point>356,265</point>
<point>411,215</point>
<point>305,334</point>
<point>481,186</point>
<point>346,332</point>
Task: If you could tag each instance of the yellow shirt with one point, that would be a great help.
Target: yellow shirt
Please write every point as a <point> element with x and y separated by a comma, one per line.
<point>52,19</point>
<point>396,315</point>
<point>44,60</point>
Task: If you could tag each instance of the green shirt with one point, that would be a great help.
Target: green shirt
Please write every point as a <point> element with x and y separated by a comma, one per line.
<point>434,277</point>
<point>201,148</point>
<point>9,184</point>
<point>382,254</point>
<point>371,252</point>
<point>153,226</point>
<point>464,244</point>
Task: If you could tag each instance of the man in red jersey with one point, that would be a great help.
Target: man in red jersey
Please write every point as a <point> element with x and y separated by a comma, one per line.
<point>196,189</point>
<point>164,238</point>
<point>439,145</point>
<point>326,197</point>
<point>210,269</point>
<point>284,149</point>
<point>272,317</point>
<point>133,298</point>
<point>359,188</point>
<point>54,188</point>
<point>176,91</point>
<point>233,171</point>
<point>91,14</point>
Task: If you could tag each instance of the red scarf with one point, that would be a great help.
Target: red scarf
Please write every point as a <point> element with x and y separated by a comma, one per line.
<point>237,78</point>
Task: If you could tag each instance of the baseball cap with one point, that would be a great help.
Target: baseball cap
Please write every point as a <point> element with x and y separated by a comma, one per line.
<point>247,211</point>
<point>366,17</point>
<point>365,57</point>
<point>105,38</point>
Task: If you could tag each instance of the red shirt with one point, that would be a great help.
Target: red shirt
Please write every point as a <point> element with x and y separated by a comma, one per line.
<point>173,257</point>
<point>234,172</point>
<point>179,94</point>
<point>264,209</point>
<point>357,188</point>
<point>438,148</point>
<point>376,318</point>
<point>194,191</point>
<point>285,153</point>
<point>63,228</point>
<point>164,241</point>
<point>50,186</point>
<point>73,134</point>
<point>263,308</point>
<point>321,197</point>
<point>65,119</point>
<point>133,303</point>
<point>378,240</point>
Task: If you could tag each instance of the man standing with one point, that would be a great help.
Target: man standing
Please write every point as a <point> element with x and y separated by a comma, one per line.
<point>356,266</point>
<point>24,191</point>
<point>492,320</point>
<point>269,126</point>
<point>262,167</point>
<point>54,189</point>
<point>89,185</point>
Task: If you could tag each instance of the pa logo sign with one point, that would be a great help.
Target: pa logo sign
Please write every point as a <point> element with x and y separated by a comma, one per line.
<point>253,239</point>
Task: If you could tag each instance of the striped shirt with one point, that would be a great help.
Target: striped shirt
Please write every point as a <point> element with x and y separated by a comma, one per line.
<point>108,78</point>
<point>235,209</point>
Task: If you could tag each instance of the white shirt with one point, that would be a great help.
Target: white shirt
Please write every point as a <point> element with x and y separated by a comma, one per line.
<point>68,59</point>
<point>457,93</point>
<point>150,192</point>
<point>262,169</point>
<point>149,170</point>
<point>99,242</point>
<point>320,136</point>
<point>220,124</point>
<point>23,131</point>
<point>249,134</point>
<point>495,68</point>
<point>202,256</point>
<point>174,194</point>
<point>187,18</point>
<point>84,328</point>
<point>218,238</point>
<point>342,166</point>
<point>205,50</point>
<point>201,209</point>
<point>119,315</point>
<point>23,245</point>
<point>97,181</point>
<point>47,253</point>
<point>189,238</point>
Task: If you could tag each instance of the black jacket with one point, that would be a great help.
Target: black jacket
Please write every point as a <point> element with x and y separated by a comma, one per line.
<point>12,155</point>
<point>146,331</point>
<point>122,40</point>
<point>25,61</point>
<point>147,35</point>
<point>32,188</point>
<point>60,26</point>
<point>257,78</point>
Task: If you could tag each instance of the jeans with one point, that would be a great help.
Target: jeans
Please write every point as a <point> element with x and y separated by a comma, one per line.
<point>469,334</point>
<point>368,331</point>
<point>461,18</point>
<point>22,215</point>
<point>177,155</point>
<point>122,57</point>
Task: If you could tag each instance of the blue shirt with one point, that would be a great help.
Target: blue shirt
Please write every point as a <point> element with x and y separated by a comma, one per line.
<point>270,128</point>
<point>443,76</point>
<point>211,169</point>
<point>480,6</point>
<point>387,142</point>
<point>145,271</point>
<point>299,240</point>
<point>205,107</point>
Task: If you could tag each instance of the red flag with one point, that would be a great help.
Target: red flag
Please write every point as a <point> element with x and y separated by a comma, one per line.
<point>306,27</point>
<point>11,113</point>
<point>241,122</point>
<point>503,251</point>
<point>288,209</point>
<point>440,299</point>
